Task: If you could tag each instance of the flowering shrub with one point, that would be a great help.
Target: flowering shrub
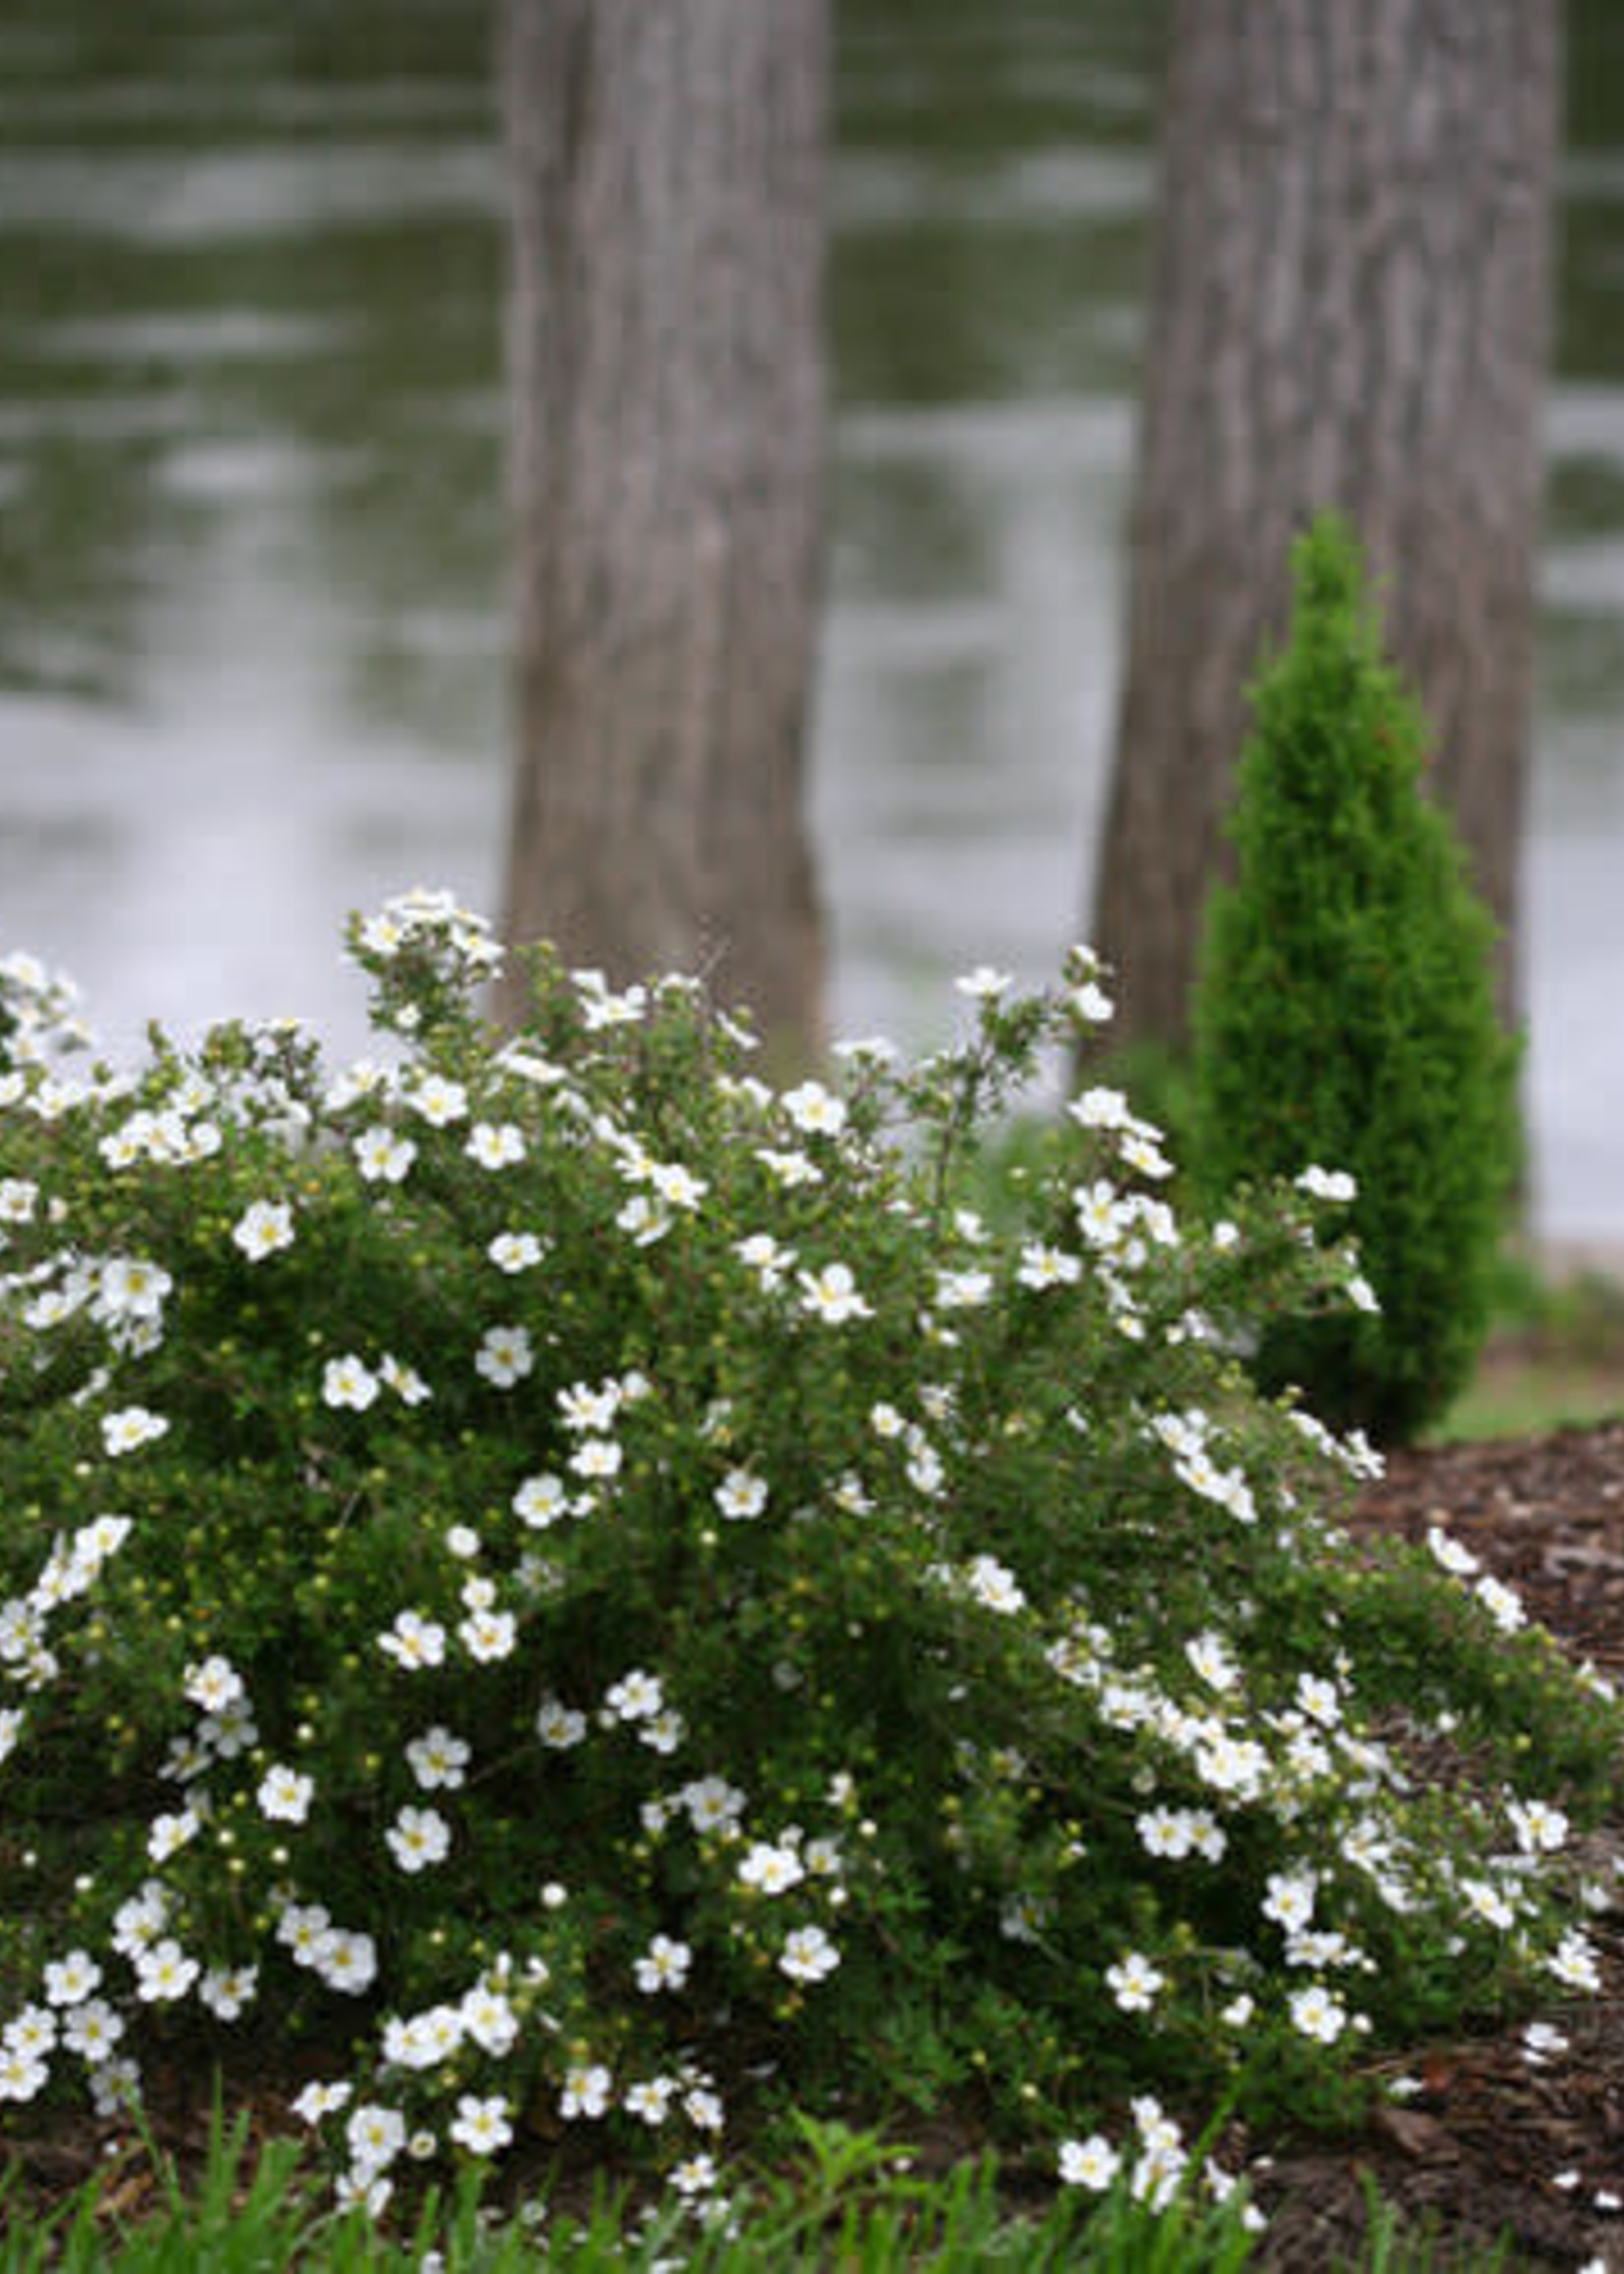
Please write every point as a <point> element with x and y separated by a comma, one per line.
<point>580,1591</point>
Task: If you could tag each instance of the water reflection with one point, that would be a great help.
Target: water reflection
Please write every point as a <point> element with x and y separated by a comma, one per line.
<point>253,648</point>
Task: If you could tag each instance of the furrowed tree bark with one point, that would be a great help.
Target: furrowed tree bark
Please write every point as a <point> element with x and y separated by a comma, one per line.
<point>666,167</point>
<point>1350,308</point>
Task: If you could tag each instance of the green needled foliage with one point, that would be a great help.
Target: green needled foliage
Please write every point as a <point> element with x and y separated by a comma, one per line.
<point>1344,1014</point>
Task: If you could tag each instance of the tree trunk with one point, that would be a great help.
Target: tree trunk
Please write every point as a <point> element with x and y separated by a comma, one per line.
<point>668,180</point>
<point>1349,308</point>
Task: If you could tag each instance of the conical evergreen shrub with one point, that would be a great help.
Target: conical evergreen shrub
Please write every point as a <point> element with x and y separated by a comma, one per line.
<point>1344,1014</point>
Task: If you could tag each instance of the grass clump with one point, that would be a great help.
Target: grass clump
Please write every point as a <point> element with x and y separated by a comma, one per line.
<point>576,1595</point>
<point>1345,1017</point>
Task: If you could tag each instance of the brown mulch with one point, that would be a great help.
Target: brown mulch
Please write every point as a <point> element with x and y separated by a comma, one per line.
<point>1496,2143</point>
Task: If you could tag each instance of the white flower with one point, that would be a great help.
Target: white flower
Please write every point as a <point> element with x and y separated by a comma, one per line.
<point>1211,1658</point>
<point>163,1972</point>
<point>438,1759</point>
<point>374,2137</point>
<point>489,2019</point>
<point>1501,1604</point>
<point>790,1167</point>
<point>541,1501</point>
<point>1140,1154</point>
<point>285,1795</point>
<point>346,1962</point>
<point>740,1494</point>
<point>128,1288</point>
<point>515,1250</point>
<point>1574,1962</point>
<point>636,1697</point>
<point>1042,1267</point>
<point>418,1837</point>
<point>346,1381</point>
<point>497,1146</point>
<point>489,1635</point>
<point>424,2041</point>
<point>1091,1003</point>
<point>265,1227</point>
<point>227,1990</point>
<point>676,1185</point>
<point>814,1109</point>
<point>71,1980</point>
<point>767,1258</point>
<point>962,1290</point>
<point>1102,1216</point>
<point>91,2030</point>
<point>703,2108</point>
<point>357,2190</point>
<point>18,1200</point>
<point>585,1409</point>
<point>560,1726</point>
<point>1487,1902</point>
<point>1318,2013</point>
<point>597,1457</point>
<point>138,1921</point>
<point>1328,1184</point>
<point>482,2126</point>
<point>131,1428</point>
<point>664,1733</point>
<point>214,1684</point>
<point>1541,1828</point>
<point>586,2091</point>
<point>995,1587</point>
<point>1166,1832</point>
<point>169,1834</point>
<point>712,1803</point>
<point>303,1928</point>
<point>1361,1295</point>
<point>832,1294</point>
<point>414,1641</point>
<point>601,1006</point>
<point>1092,2163</point>
<point>21,2075</point>
<point>1134,1982</point>
<point>381,1157</point>
<point>771,1869</point>
<point>504,1356</point>
<point>405,1380</point>
<point>318,2100</point>
<point>663,1965</point>
<point>808,1954</point>
<point>1319,1699</point>
<point>1290,1900</point>
<point>983,984</point>
<point>440,1102</point>
<point>1450,1552</point>
<point>643,1219</point>
<point>35,2030</point>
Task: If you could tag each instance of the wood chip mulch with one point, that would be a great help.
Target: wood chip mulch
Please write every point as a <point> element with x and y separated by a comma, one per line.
<point>1498,2142</point>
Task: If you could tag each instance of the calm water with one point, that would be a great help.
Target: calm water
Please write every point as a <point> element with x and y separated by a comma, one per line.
<point>252,652</point>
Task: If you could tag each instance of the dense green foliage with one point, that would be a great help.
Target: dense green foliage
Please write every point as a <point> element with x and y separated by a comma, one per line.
<point>571,1589</point>
<point>1345,1011</point>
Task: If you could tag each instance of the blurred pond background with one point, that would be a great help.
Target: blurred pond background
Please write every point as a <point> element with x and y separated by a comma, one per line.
<point>253,666</point>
